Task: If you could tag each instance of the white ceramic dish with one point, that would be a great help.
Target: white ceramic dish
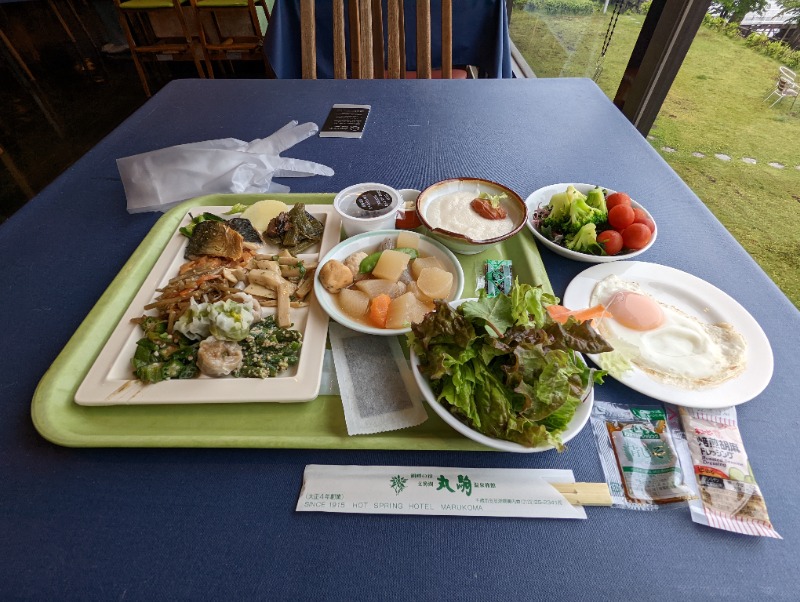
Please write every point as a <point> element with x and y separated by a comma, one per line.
<point>368,243</point>
<point>460,243</point>
<point>110,380</point>
<point>542,197</point>
<point>705,302</point>
<point>344,201</point>
<point>574,427</point>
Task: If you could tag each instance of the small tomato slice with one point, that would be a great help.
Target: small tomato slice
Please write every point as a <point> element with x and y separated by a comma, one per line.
<point>636,236</point>
<point>611,241</point>
<point>621,216</point>
<point>617,198</point>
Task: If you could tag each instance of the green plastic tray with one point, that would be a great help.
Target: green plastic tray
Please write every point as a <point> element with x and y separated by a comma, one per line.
<point>315,424</point>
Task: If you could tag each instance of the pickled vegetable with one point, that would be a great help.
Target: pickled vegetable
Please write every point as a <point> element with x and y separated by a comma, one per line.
<point>262,212</point>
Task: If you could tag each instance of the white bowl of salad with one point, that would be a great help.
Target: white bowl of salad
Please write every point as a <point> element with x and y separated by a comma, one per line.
<point>583,222</point>
<point>462,330</point>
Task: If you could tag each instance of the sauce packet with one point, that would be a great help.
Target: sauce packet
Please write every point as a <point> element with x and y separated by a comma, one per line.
<point>639,458</point>
<point>495,276</point>
<point>729,497</point>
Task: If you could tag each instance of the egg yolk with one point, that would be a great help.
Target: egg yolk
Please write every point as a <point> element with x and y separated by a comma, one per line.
<point>635,311</point>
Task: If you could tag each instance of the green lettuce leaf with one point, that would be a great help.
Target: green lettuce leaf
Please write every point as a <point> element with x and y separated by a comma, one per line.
<point>494,311</point>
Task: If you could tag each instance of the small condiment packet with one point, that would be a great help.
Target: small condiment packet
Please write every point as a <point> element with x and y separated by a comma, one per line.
<point>638,456</point>
<point>430,490</point>
<point>378,390</point>
<point>710,445</point>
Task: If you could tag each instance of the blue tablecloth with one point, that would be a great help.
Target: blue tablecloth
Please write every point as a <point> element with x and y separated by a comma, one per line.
<point>145,524</point>
<point>480,37</point>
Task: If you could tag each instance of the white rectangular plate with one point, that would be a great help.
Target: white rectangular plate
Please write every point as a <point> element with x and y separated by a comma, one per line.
<point>110,380</point>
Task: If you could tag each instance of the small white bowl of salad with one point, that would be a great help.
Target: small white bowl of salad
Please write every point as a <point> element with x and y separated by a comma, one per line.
<point>590,223</point>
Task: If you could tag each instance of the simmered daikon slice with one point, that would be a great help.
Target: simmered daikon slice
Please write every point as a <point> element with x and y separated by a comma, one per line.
<point>406,310</point>
<point>436,283</point>
<point>353,303</point>
<point>424,262</point>
<point>375,287</point>
<point>408,240</point>
<point>390,265</point>
<point>413,288</point>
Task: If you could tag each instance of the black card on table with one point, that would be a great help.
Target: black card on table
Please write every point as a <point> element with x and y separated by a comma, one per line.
<point>345,121</point>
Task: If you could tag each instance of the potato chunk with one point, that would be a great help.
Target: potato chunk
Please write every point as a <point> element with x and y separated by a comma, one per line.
<point>390,265</point>
<point>424,262</point>
<point>406,310</point>
<point>353,303</point>
<point>436,283</point>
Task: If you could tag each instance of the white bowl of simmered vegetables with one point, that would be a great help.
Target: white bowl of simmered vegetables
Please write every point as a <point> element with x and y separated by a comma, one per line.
<point>515,380</point>
<point>590,223</point>
<point>383,281</point>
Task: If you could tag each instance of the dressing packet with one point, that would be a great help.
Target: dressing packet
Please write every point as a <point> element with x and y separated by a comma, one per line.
<point>638,455</point>
<point>729,497</point>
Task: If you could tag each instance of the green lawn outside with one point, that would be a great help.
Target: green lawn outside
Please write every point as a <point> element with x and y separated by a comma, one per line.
<point>715,106</point>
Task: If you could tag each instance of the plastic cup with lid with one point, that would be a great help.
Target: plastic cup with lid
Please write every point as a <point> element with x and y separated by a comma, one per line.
<point>367,207</point>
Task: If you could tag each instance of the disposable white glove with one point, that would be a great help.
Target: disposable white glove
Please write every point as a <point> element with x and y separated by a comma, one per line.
<point>158,180</point>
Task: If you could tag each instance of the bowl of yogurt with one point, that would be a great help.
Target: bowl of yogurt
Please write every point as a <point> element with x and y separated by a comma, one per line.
<point>470,215</point>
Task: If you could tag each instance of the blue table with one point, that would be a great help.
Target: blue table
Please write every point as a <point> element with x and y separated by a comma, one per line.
<point>480,37</point>
<point>145,524</point>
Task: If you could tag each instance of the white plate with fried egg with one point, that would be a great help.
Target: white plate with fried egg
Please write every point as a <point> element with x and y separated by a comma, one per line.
<point>676,337</point>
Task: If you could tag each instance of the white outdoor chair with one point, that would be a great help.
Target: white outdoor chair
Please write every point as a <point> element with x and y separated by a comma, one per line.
<point>785,87</point>
<point>788,73</point>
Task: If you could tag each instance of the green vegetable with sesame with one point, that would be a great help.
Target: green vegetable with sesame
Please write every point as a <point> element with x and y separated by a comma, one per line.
<point>268,350</point>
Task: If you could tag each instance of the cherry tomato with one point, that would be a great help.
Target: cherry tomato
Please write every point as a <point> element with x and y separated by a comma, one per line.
<point>618,198</point>
<point>611,240</point>
<point>643,218</point>
<point>636,236</point>
<point>620,217</point>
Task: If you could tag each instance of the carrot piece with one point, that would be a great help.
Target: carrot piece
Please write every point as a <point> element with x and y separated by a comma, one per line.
<point>379,310</point>
<point>561,314</point>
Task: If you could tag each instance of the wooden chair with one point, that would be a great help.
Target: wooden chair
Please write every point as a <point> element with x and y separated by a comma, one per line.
<point>367,60</point>
<point>149,28</point>
<point>231,30</point>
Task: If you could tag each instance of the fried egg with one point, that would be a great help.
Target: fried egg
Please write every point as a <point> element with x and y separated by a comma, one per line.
<point>666,343</point>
